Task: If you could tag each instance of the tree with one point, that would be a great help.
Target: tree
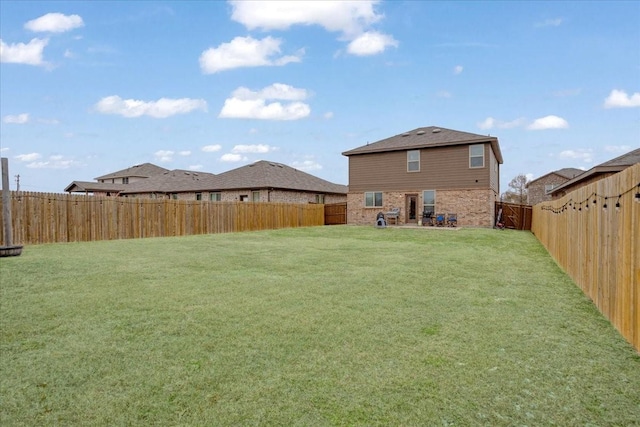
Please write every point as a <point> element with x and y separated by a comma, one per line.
<point>517,192</point>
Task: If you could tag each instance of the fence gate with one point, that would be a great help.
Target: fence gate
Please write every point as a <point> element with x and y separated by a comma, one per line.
<point>335,213</point>
<point>514,216</point>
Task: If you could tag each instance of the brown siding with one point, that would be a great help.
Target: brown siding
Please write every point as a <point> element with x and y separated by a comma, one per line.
<point>440,168</point>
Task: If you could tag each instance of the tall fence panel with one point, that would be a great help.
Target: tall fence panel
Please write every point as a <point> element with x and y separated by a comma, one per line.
<point>52,218</point>
<point>335,213</point>
<point>593,233</point>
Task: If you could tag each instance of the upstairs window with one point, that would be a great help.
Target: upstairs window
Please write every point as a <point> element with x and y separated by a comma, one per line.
<point>413,161</point>
<point>476,156</point>
<point>548,188</point>
<point>320,198</point>
<point>125,180</point>
<point>373,199</point>
<point>215,197</point>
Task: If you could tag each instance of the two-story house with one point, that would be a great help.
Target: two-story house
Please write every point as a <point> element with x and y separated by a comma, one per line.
<point>428,169</point>
<point>539,190</point>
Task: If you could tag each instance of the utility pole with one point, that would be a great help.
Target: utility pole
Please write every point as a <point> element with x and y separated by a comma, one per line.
<point>18,182</point>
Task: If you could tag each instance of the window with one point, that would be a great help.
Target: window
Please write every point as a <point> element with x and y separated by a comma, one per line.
<point>125,180</point>
<point>174,196</point>
<point>548,188</point>
<point>215,197</point>
<point>429,201</point>
<point>413,161</point>
<point>320,198</point>
<point>244,198</point>
<point>198,196</point>
<point>476,156</point>
<point>373,199</point>
<point>255,196</point>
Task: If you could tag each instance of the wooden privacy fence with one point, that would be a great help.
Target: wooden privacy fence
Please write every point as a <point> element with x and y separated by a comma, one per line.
<point>599,248</point>
<point>52,218</point>
<point>513,215</point>
<point>335,213</point>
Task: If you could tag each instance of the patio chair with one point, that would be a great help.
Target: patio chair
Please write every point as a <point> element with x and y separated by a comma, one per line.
<point>427,218</point>
<point>440,219</point>
<point>393,214</point>
<point>452,220</point>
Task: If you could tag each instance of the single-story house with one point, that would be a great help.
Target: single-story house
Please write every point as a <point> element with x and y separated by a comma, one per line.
<point>596,173</point>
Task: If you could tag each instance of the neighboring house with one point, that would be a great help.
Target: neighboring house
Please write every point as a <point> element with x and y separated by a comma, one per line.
<point>597,173</point>
<point>265,181</point>
<point>113,183</point>
<point>262,181</point>
<point>539,190</point>
<point>428,169</point>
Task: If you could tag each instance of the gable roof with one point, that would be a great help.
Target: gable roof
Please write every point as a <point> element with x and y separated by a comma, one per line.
<point>614,165</point>
<point>90,187</point>
<point>427,137</point>
<point>143,170</point>
<point>567,173</point>
<point>172,181</point>
<point>265,174</point>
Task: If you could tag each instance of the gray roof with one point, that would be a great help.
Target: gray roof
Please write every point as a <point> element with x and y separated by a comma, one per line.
<point>265,174</point>
<point>172,181</point>
<point>567,173</point>
<point>144,170</point>
<point>91,186</point>
<point>427,137</point>
<point>614,165</point>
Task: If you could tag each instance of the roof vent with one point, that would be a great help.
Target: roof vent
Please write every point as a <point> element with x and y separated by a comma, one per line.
<point>436,130</point>
<point>405,134</point>
<point>420,132</point>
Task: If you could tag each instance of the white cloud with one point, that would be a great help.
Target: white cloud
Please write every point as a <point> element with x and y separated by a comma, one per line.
<point>18,119</point>
<point>371,43</point>
<point>28,157</point>
<point>54,23</point>
<point>583,154</point>
<point>254,149</point>
<point>443,94</point>
<point>164,156</point>
<point>328,115</point>
<point>238,109</point>
<point>352,19</point>
<point>275,91</point>
<point>247,104</point>
<point>229,157</point>
<point>306,165</point>
<point>548,122</point>
<point>21,53</point>
<point>53,162</point>
<point>347,17</point>
<point>212,148</point>
<point>617,148</point>
<point>162,108</point>
<point>620,99</point>
<point>458,69</point>
<point>490,123</point>
<point>195,167</point>
<point>553,22</point>
<point>529,177</point>
<point>245,52</point>
<point>184,153</point>
<point>3,149</point>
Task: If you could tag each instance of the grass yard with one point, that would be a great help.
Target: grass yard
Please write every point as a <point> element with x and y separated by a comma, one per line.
<point>308,327</point>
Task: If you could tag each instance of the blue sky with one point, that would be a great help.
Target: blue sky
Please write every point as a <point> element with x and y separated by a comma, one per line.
<point>88,88</point>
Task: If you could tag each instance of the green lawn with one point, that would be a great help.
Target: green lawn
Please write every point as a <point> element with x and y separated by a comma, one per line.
<point>308,327</point>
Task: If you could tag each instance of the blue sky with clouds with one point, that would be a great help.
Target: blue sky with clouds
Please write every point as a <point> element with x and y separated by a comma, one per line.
<point>88,88</point>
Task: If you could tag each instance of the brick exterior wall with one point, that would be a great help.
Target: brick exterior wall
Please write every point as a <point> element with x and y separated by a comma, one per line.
<point>474,207</point>
<point>280,196</point>
<point>536,192</point>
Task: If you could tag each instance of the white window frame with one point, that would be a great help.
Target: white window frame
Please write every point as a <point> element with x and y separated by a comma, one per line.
<point>373,198</point>
<point>413,161</point>
<point>424,204</point>
<point>215,196</point>
<point>548,188</point>
<point>255,196</point>
<point>475,156</point>
<point>320,199</point>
